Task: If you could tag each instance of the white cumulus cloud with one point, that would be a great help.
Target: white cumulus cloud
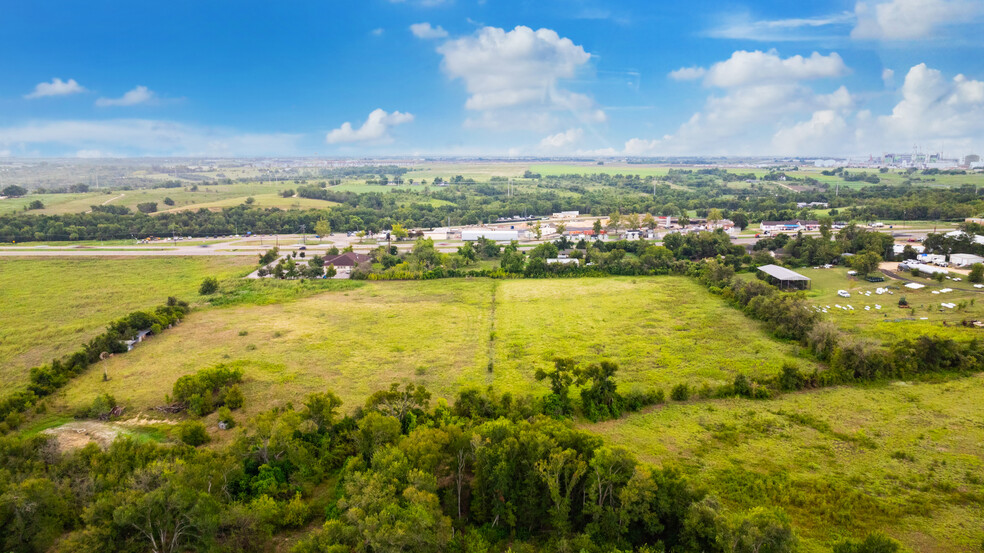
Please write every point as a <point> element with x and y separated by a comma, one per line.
<point>519,70</point>
<point>760,93</point>
<point>748,68</point>
<point>934,109</point>
<point>911,19</point>
<point>56,87</point>
<point>375,129</point>
<point>562,140</point>
<point>426,31</point>
<point>139,95</point>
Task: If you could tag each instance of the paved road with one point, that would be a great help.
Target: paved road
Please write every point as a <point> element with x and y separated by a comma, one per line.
<point>250,246</point>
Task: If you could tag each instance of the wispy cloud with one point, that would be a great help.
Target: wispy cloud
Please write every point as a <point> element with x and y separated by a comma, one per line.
<point>139,95</point>
<point>144,137</point>
<point>745,27</point>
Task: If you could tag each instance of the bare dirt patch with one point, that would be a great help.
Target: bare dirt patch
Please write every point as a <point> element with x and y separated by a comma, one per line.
<point>77,434</point>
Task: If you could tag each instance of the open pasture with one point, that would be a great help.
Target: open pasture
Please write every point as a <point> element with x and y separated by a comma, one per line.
<point>925,314</point>
<point>443,334</point>
<point>905,459</point>
<point>51,306</point>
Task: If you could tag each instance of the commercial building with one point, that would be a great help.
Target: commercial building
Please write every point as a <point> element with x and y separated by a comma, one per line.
<point>471,235</point>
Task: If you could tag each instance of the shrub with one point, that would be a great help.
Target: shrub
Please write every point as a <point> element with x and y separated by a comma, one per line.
<point>296,512</point>
<point>209,286</point>
<point>873,543</point>
<point>233,397</point>
<point>199,405</point>
<point>225,417</point>
<point>742,386</point>
<point>680,392</point>
<point>100,408</point>
<point>976,273</point>
<point>193,433</point>
<point>790,379</point>
<point>199,390</point>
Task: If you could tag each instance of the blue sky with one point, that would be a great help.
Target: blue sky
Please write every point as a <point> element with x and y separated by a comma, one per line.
<point>493,77</point>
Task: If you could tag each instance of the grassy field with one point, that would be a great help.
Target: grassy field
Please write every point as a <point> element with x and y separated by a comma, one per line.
<point>906,459</point>
<point>51,306</point>
<point>265,193</point>
<point>661,331</point>
<point>890,323</point>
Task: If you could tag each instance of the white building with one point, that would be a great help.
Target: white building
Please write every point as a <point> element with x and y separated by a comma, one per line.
<point>965,259</point>
<point>562,260</point>
<point>566,215</point>
<point>471,235</point>
<point>897,249</point>
<point>438,233</point>
<point>922,268</point>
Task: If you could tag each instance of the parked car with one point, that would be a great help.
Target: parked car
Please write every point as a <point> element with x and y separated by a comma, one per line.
<point>843,293</point>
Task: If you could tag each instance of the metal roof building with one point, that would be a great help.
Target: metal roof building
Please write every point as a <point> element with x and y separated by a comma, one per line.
<point>784,278</point>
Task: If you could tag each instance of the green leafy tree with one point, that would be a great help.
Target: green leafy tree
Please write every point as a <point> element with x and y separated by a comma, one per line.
<point>865,262</point>
<point>33,513</point>
<point>322,409</point>
<point>976,273</point>
<point>209,286</point>
<point>322,228</point>
<point>561,378</point>
<point>13,191</point>
<point>562,471</point>
<point>160,513</point>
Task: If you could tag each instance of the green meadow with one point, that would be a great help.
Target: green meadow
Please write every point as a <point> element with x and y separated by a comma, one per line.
<point>51,306</point>
<point>902,458</point>
<point>445,335</point>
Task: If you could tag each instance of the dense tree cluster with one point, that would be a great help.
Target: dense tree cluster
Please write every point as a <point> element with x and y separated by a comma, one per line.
<point>482,475</point>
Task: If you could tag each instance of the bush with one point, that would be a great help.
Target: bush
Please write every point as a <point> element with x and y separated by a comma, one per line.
<point>680,392</point>
<point>790,379</point>
<point>976,273</point>
<point>233,397</point>
<point>199,390</point>
<point>209,286</point>
<point>742,386</point>
<point>225,417</point>
<point>874,543</point>
<point>296,512</point>
<point>193,433</point>
<point>100,408</point>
